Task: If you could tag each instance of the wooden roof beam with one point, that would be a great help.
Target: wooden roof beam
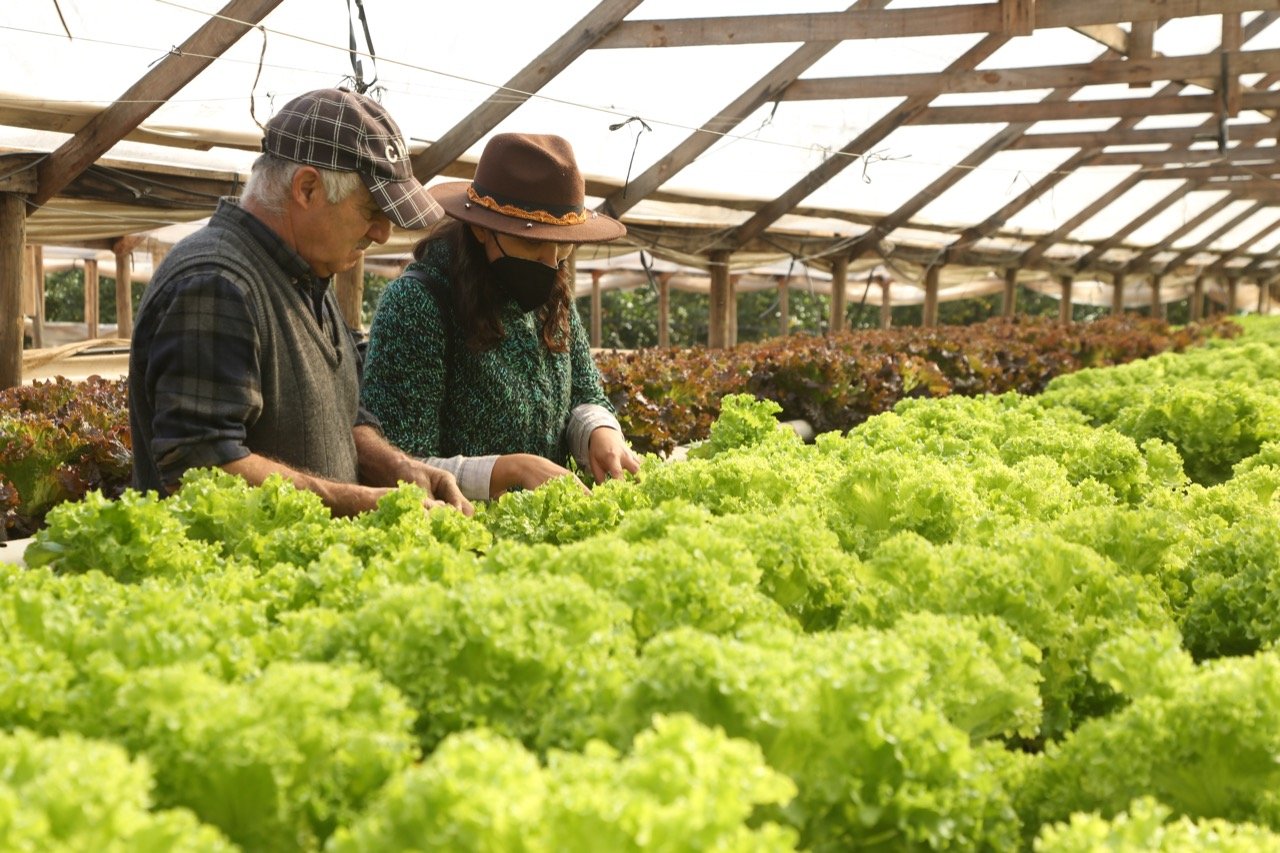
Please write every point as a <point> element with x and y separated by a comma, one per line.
<point>850,153</point>
<point>1242,154</point>
<point>1082,158</point>
<point>1038,249</point>
<point>1101,248</point>
<point>1229,255</point>
<point>698,142</point>
<point>1225,173</point>
<point>1204,244</point>
<point>1018,79</point>
<point>1106,108</point>
<point>948,179</point>
<point>984,18</point>
<point>1270,254</point>
<point>579,38</point>
<point>1110,36</point>
<point>1142,47</point>
<point>1136,263</point>
<point>1228,87</point>
<point>997,143</point>
<point>1017,17</point>
<point>1255,132</point>
<point>144,97</point>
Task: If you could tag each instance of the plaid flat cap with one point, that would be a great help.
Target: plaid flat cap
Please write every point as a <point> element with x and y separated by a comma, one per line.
<point>340,130</point>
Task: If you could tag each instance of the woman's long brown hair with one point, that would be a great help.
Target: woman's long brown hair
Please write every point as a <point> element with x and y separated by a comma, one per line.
<point>477,299</point>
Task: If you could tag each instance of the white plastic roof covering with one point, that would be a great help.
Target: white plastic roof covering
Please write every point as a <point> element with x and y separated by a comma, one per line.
<point>625,109</point>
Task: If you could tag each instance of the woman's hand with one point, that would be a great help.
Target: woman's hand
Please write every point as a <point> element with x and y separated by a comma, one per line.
<point>609,454</point>
<point>525,470</point>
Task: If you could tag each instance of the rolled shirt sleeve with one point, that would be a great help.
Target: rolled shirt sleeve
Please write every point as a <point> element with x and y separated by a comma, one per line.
<point>584,420</point>
<point>473,473</point>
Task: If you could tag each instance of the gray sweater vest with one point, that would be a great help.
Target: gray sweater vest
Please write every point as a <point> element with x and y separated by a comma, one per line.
<point>309,381</point>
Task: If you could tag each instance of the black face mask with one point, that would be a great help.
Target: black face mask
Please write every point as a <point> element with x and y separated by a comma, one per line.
<point>529,283</point>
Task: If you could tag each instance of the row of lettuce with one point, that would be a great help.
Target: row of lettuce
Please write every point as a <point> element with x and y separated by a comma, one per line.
<point>996,622</point>
<point>60,439</point>
<point>669,397</point>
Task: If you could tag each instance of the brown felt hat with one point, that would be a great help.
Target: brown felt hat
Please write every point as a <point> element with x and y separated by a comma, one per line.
<point>528,185</point>
<point>340,130</point>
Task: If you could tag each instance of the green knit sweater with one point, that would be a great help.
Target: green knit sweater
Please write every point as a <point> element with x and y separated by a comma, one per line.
<point>435,397</point>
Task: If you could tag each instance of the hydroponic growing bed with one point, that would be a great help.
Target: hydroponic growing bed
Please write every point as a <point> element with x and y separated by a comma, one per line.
<point>993,622</point>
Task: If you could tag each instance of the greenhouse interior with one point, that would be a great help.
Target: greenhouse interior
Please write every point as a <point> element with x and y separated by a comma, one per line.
<point>901,473</point>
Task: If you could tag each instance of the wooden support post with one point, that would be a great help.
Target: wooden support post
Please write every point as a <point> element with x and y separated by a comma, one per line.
<point>1009,305</point>
<point>92,283</point>
<point>350,292</point>
<point>664,309</point>
<point>1117,292</point>
<point>597,309</point>
<point>1141,46</point>
<point>839,293</point>
<point>35,287</point>
<point>123,250</point>
<point>886,303</point>
<point>718,312</point>
<point>1065,307</point>
<point>1157,304</point>
<point>1233,292</point>
<point>931,277</point>
<point>784,307</point>
<point>1017,17</point>
<point>159,251</point>
<point>1196,309</point>
<point>732,321</point>
<point>1262,296</point>
<point>13,231</point>
<point>1231,97</point>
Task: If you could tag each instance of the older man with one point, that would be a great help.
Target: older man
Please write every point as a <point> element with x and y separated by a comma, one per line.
<point>240,356</point>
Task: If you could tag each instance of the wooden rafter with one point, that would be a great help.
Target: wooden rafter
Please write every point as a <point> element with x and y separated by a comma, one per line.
<point>1257,263</point>
<point>698,142</point>
<point>1017,79</point>
<point>900,23</point>
<point>1137,262</point>
<point>1103,108</point>
<point>1244,155</point>
<point>1083,157</point>
<point>1227,256</point>
<point>1103,246</point>
<point>1205,243</point>
<point>606,28</point>
<point>1033,254</point>
<point>143,98</point>
<point>832,166</point>
<point>997,143</point>
<point>1255,132</point>
<point>576,40</point>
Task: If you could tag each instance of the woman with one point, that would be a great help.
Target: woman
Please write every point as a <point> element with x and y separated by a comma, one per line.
<point>477,358</point>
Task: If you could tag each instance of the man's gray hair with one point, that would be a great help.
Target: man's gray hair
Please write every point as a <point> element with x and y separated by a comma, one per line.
<point>271,177</point>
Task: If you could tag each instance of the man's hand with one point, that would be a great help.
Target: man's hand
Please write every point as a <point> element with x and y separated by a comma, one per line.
<point>526,470</point>
<point>609,454</point>
<point>443,489</point>
<point>383,464</point>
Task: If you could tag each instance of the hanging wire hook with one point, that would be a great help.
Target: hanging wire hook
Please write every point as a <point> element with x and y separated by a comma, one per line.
<point>647,266</point>
<point>57,7</point>
<point>262,54</point>
<point>618,126</point>
<point>357,78</point>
